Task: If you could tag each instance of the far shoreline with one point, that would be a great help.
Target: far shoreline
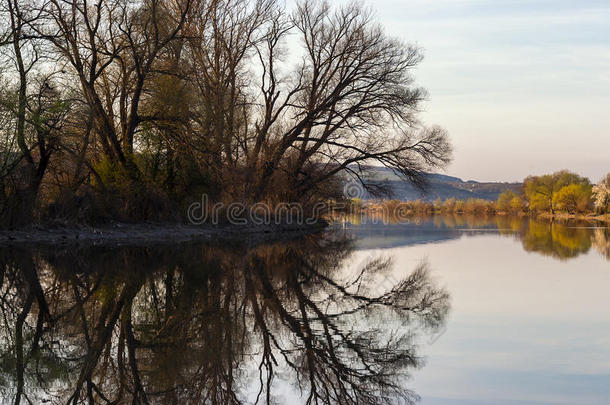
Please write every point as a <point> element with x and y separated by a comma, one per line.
<point>583,217</point>
<point>121,233</point>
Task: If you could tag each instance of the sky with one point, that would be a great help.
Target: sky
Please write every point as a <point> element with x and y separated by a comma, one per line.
<point>522,86</point>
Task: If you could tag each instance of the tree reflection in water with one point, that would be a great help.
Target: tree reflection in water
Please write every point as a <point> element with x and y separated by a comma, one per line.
<point>601,241</point>
<point>195,324</point>
<point>558,239</point>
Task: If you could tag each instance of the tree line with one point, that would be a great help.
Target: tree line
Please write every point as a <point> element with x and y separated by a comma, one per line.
<point>562,192</point>
<point>129,110</point>
<point>559,192</point>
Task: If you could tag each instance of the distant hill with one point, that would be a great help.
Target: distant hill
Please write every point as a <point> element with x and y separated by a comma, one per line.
<point>439,185</point>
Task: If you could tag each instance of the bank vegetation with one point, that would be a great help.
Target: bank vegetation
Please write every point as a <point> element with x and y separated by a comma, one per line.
<point>561,194</point>
<point>115,110</point>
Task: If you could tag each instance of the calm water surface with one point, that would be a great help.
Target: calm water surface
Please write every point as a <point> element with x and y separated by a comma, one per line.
<point>452,311</point>
<point>530,309</point>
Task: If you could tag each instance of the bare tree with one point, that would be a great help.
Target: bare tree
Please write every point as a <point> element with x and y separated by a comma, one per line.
<point>37,110</point>
<point>168,96</point>
<point>112,48</point>
<point>348,103</point>
<point>353,102</point>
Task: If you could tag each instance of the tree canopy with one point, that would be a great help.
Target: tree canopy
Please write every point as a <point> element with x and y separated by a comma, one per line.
<point>148,103</point>
<point>542,192</point>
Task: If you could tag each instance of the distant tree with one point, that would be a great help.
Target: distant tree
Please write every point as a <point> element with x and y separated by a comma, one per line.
<point>539,203</point>
<point>459,207</point>
<point>517,204</point>
<point>438,204</point>
<point>449,205</point>
<point>540,190</point>
<point>478,206</point>
<point>573,198</point>
<point>601,195</point>
<point>504,200</point>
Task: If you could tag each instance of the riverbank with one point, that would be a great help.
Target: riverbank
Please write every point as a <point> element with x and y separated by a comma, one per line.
<point>561,216</point>
<point>582,217</point>
<point>127,234</point>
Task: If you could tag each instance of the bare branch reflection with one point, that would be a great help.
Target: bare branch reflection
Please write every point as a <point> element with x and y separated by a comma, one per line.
<point>200,324</point>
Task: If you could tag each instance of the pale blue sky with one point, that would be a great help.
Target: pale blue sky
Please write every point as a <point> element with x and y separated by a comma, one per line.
<point>523,87</point>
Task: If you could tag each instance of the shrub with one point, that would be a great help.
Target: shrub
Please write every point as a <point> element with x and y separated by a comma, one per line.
<point>517,205</point>
<point>449,205</point>
<point>504,201</point>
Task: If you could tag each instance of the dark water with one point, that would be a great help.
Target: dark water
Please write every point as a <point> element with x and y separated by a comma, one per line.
<point>452,310</point>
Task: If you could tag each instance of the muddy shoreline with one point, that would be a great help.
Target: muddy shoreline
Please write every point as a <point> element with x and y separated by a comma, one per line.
<point>145,233</point>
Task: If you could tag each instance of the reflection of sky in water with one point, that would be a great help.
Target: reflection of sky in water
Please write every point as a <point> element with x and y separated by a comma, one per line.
<point>524,328</point>
<point>529,317</point>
